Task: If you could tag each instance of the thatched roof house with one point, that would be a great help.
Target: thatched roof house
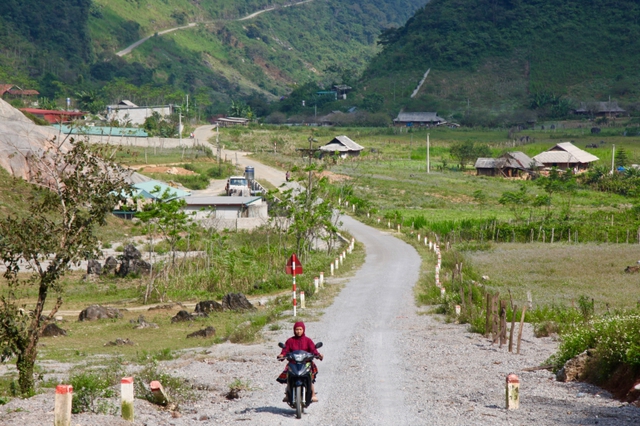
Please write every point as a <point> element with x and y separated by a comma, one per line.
<point>566,155</point>
<point>343,146</point>
<point>511,164</point>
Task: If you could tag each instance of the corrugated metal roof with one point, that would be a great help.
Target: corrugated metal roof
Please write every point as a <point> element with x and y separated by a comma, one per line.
<point>151,187</point>
<point>485,163</point>
<point>342,144</point>
<point>552,157</point>
<point>418,117</point>
<point>582,156</point>
<point>103,131</point>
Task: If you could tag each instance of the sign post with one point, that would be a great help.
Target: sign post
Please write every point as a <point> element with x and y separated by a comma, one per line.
<point>294,267</point>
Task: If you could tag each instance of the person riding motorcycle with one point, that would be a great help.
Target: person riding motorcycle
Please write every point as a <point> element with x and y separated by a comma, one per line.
<point>299,342</point>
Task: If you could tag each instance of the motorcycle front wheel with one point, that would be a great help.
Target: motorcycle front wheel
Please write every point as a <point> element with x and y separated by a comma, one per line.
<point>298,402</point>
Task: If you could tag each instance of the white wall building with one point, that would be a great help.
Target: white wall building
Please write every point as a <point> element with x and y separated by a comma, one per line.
<point>128,112</point>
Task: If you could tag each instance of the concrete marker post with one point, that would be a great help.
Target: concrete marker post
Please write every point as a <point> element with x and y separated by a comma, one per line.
<point>398,227</point>
<point>293,271</point>
<point>378,221</point>
<point>458,309</point>
<point>442,291</point>
<point>62,405</point>
<point>425,241</point>
<point>331,268</point>
<point>353,207</point>
<point>418,237</point>
<point>126,396</point>
<point>337,264</point>
<point>322,279</point>
<point>389,224</point>
<point>513,392</point>
<point>159,396</point>
<point>302,305</point>
<point>316,283</point>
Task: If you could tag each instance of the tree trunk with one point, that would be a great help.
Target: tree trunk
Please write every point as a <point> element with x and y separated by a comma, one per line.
<point>25,365</point>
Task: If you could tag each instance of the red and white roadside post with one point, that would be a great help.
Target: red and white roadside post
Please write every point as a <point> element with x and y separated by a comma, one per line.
<point>322,279</point>
<point>62,409</point>
<point>302,306</point>
<point>513,392</point>
<point>294,267</point>
<point>126,396</point>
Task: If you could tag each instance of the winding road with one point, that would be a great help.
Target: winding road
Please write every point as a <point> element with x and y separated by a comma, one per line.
<point>129,48</point>
<point>361,328</point>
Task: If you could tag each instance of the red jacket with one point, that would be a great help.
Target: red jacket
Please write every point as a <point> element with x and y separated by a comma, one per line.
<point>302,343</point>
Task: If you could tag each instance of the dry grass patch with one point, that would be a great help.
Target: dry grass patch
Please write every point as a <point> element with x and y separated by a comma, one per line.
<point>561,273</point>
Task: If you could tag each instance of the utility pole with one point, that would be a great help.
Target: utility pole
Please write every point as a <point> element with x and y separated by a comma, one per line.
<point>613,158</point>
<point>310,148</point>
<point>428,171</point>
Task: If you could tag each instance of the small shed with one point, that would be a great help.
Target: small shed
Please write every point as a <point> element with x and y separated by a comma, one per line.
<point>509,165</point>
<point>410,119</point>
<point>343,146</point>
<point>566,155</point>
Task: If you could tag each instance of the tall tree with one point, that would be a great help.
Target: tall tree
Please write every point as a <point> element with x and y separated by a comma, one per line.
<point>74,188</point>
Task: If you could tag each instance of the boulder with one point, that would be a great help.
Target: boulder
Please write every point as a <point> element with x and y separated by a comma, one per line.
<point>139,266</point>
<point>110,265</point>
<point>52,330</point>
<point>95,312</point>
<point>94,267</point>
<point>182,316</point>
<point>131,253</point>
<point>574,369</point>
<point>207,306</point>
<point>236,302</point>
<point>205,332</point>
<point>120,342</point>
<point>142,323</point>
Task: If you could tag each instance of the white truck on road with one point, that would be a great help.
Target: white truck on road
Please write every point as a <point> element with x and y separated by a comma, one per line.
<point>238,186</point>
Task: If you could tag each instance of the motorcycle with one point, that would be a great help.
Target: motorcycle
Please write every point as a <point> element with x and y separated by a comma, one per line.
<point>299,379</point>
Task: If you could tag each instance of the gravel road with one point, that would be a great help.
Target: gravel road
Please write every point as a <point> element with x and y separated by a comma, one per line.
<point>386,363</point>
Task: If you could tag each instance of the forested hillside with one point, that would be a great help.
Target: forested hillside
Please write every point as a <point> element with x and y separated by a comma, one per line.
<point>68,47</point>
<point>504,55</point>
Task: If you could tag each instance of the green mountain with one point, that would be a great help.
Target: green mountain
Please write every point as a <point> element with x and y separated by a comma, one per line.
<point>69,47</point>
<point>513,59</point>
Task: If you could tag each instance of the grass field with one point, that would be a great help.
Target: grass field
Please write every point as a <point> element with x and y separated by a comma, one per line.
<point>561,273</point>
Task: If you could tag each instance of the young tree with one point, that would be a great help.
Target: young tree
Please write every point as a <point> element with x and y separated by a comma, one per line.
<point>75,188</point>
<point>168,214</point>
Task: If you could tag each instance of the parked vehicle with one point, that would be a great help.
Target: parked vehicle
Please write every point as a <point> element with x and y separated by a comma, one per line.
<point>299,379</point>
<point>238,185</point>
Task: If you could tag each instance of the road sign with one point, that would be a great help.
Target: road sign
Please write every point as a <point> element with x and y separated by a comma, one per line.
<point>298,268</point>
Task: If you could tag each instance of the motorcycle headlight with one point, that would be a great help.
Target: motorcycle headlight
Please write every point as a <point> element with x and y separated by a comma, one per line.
<point>299,357</point>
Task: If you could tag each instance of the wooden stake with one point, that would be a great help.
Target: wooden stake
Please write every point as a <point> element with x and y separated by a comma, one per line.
<point>513,323</point>
<point>524,309</point>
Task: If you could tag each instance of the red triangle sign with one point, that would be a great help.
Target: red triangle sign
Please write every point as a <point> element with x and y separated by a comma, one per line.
<point>290,269</point>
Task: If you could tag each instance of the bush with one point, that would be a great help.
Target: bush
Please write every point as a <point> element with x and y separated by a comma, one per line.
<point>613,340</point>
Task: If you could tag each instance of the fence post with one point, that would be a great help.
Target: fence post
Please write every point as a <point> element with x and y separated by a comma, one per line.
<point>488,323</point>
<point>513,323</point>
<point>524,309</point>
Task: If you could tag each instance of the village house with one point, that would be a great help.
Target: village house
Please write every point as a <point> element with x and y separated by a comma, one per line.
<point>55,116</point>
<point>410,119</point>
<point>11,91</point>
<point>509,165</point>
<point>343,146</point>
<point>128,112</point>
<point>566,155</point>
<point>600,109</point>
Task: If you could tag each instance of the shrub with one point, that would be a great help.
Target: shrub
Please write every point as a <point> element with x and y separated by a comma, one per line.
<point>614,341</point>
